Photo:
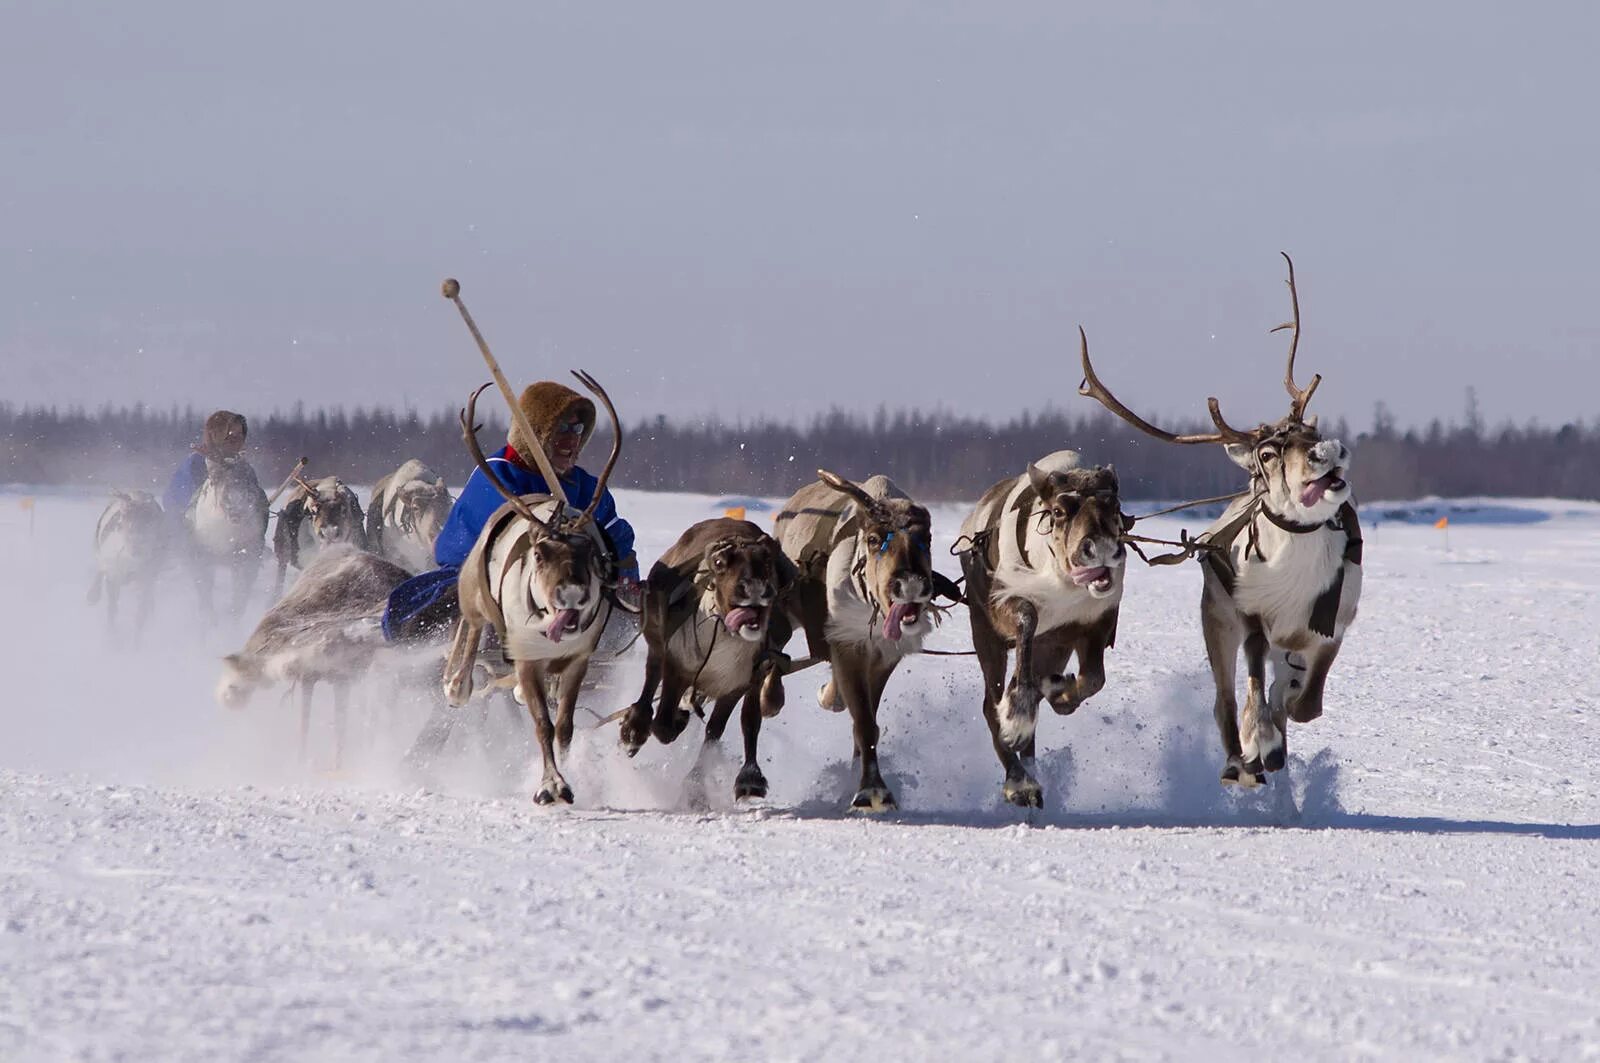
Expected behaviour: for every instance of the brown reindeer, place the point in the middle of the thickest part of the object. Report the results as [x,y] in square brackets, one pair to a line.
[709,603]
[1282,568]
[864,598]
[130,547]
[1044,562]
[542,575]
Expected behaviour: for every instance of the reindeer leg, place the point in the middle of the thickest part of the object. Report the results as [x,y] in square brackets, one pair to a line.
[695,790]
[1020,787]
[850,675]
[636,722]
[341,707]
[1018,710]
[1223,637]
[113,592]
[670,718]
[460,660]
[1304,700]
[307,686]
[552,787]
[1066,692]
[1257,738]
[750,783]
[572,677]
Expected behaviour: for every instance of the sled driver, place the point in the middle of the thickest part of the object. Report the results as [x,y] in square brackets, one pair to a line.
[222,439]
[562,421]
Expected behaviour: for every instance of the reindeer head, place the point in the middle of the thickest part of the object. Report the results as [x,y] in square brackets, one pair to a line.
[747,576]
[241,677]
[421,509]
[1294,472]
[568,573]
[327,504]
[895,539]
[235,487]
[1083,511]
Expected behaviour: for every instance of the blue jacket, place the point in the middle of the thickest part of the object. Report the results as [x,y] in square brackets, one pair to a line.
[479,500]
[185,482]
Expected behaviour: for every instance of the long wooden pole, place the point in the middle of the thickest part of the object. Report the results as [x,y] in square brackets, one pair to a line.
[452,291]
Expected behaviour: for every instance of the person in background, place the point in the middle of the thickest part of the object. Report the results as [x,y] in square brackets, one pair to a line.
[221,439]
[562,421]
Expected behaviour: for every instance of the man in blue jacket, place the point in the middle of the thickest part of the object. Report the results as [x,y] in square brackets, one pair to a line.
[562,421]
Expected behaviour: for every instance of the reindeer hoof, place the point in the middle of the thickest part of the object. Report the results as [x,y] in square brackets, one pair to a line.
[550,793]
[750,784]
[1245,776]
[1024,793]
[668,726]
[1275,759]
[828,697]
[873,801]
[634,731]
[1301,712]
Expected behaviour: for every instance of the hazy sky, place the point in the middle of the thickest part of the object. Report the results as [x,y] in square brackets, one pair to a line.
[749,208]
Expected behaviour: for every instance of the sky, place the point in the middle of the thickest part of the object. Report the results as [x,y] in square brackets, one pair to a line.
[747,210]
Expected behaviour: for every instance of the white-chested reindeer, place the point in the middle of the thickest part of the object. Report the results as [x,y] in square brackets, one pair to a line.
[1044,561]
[543,576]
[227,521]
[864,598]
[407,510]
[319,514]
[130,547]
[1282,569]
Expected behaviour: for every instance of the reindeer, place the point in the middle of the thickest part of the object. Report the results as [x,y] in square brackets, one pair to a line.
[708,604]
[1282,568]
[319,514]
[130,547]
[1044,561]
[543,576]
[326,629]
[405,513]
[864,598]
[227,522]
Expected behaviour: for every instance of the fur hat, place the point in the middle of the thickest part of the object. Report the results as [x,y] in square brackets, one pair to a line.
[548,405]
[223,434]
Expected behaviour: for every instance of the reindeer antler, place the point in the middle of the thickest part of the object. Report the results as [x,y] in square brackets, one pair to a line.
[616,439]
[1298,398]
[850,488]
[1092,388]
[470,433]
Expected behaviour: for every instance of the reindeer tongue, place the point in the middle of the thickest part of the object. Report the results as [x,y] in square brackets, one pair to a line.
[1084,576]
[1317,488]
[564,620]
[897,616]
[743,616]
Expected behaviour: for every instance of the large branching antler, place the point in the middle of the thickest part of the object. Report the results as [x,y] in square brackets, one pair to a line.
[593,385]
[1299,398]
[1094,389]
[469,433]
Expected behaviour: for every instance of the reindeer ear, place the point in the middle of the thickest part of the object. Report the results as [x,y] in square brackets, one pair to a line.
[1311,422]
[1038,478]
[1242,455]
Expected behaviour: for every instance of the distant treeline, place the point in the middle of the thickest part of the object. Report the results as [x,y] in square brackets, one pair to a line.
[934,456]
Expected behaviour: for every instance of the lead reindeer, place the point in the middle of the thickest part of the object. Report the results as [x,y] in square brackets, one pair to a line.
[1282,568]
[319,514]
[405,514]
[542,575]
[227,521]
[130,547]
[864,598]
[1044,562]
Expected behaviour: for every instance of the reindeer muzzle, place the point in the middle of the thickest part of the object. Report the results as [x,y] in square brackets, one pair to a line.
[562,624]
[901,615]
[744,618]
[1312,492]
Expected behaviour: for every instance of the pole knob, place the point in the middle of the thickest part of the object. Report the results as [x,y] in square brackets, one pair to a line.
[451,288]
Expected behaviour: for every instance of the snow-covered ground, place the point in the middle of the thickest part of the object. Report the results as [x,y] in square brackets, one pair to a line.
[174,886]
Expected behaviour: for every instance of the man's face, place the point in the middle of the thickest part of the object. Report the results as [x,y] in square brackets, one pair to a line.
[565,443]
